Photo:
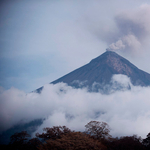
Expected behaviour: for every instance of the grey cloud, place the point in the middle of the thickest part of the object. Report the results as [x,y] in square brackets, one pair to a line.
[133,30]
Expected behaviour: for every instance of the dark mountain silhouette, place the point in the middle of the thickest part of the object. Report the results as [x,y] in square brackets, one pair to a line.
[100,71]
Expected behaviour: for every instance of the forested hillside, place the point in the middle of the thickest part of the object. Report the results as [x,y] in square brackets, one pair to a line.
[95,137]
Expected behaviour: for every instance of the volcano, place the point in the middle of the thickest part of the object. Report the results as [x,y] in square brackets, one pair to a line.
[96,76]
[100,71]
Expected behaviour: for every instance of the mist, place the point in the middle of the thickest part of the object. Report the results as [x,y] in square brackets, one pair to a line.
[61,104]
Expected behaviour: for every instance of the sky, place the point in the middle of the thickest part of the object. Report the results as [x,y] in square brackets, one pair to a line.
[42,40]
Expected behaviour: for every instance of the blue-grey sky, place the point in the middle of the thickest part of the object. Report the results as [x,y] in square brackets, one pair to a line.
[42,40]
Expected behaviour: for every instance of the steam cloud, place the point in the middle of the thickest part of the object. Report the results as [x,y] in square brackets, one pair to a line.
[63,105]
[133,30]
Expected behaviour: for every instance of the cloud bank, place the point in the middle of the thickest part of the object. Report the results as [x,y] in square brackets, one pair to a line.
[127,112]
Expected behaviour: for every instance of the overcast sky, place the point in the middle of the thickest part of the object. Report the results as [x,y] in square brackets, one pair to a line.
[42,40]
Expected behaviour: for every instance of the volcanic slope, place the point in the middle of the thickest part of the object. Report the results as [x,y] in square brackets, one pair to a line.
[100,70]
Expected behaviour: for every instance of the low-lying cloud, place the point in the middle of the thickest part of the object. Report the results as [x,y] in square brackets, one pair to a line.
[127,112]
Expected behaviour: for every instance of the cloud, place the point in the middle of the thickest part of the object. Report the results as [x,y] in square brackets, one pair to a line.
[53,34]
[60,104]
[133,30]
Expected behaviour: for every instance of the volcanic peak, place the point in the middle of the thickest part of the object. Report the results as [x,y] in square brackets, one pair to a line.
[114,61]
[101,70]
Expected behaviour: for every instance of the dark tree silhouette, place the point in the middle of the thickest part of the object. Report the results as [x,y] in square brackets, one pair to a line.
[146,141]
[19,140]
[126,143]
[33,144]
[20,137]
[53,133]
[98,130]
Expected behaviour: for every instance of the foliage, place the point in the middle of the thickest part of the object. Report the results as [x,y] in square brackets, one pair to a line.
[33,144]
[146,141]
[19,140]
[73,141]
[53,133]
[126,143]
[20,137]
[96,137]
[98,130]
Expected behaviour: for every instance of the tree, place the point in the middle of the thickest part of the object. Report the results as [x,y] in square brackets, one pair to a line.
[73,141]
[98,130]
[19,140]
[146,141]
[53,133]
[126,143]
[33,144]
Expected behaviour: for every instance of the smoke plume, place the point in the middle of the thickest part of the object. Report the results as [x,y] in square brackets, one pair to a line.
[133,30]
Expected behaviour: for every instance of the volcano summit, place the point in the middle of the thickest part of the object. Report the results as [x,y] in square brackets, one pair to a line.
[99,72]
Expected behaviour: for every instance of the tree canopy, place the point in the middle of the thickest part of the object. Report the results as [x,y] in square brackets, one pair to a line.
[95,137]
[99,130]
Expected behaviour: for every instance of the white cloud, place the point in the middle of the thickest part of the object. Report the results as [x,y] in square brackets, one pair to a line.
[64,105]
[65,35]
